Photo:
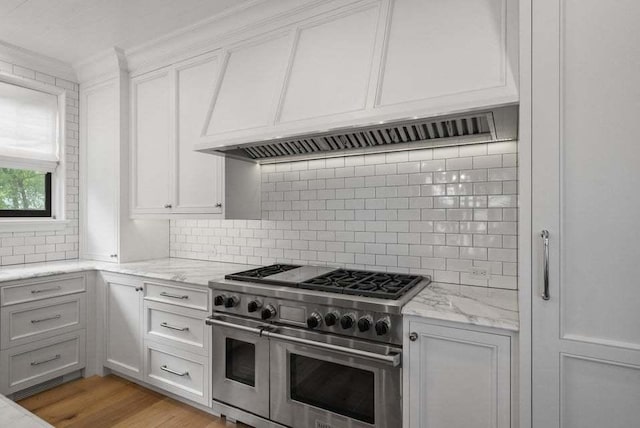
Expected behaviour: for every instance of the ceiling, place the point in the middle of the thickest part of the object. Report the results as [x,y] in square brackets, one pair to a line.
[72,30]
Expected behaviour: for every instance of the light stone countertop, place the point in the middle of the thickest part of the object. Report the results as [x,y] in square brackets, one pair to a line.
[14,416]
[488,307]
[482,306]
[193,272]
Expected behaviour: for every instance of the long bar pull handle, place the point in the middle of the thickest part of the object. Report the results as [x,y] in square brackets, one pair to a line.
[48,360]
[55,317]
[174,296]
[168,370]
[171,327]
[45,290]
[545,243]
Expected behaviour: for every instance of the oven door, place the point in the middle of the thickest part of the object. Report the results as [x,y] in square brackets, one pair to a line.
[333,382]
[240,368]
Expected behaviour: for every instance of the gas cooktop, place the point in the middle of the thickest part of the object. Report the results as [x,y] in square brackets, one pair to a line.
[381,285]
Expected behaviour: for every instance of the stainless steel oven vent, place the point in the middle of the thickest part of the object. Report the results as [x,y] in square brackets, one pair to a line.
[475,127]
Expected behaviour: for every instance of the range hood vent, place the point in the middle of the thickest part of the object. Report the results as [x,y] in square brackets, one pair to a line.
[474,127]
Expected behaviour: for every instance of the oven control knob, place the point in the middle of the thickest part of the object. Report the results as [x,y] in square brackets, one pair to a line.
[232,301]
[254,305]
[314,320]
[347,321]
[382,327]
[268,312]
[364,323]
[331,318]
[219,300]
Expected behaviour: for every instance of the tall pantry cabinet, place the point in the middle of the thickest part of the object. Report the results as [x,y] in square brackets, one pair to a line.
[585,205]
[107,232]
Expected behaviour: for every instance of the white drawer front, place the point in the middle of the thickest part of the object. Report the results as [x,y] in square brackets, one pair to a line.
[28,365]
[42,288]
[41,319]
[179,296]
[185,331]
[180,372]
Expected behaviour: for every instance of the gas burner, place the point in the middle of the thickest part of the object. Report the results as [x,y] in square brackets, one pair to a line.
[261,272]
[361,283]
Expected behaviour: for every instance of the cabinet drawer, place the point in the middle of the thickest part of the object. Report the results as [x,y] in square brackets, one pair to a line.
[177,327]
[179,296]
[179,372]
[32,321]
[43,288]
[31,364]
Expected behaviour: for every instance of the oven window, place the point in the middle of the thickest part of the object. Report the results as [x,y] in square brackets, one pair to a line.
[339,389]
[241,361]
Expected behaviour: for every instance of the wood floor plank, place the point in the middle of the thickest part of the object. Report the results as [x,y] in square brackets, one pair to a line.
[113,402]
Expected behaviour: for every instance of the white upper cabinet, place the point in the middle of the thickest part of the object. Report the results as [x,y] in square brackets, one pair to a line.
[151,141]
[169,178]
[250,85]
[195,82]
[331,65]
[444,48]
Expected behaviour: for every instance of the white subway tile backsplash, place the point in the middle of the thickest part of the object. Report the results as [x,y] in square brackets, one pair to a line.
[438,212]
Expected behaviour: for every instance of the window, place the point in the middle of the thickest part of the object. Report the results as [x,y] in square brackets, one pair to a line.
[29,147]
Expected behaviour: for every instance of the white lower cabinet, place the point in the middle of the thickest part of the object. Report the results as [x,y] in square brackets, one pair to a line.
[42,330]
[455,377]
[155,333]
[177,371]
[123,325]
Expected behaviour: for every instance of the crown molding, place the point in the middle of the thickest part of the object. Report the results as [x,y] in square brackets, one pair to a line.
[100,67]
[35,61]
[254,16]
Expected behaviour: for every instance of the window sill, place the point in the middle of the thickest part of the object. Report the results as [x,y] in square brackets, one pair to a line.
[31,225]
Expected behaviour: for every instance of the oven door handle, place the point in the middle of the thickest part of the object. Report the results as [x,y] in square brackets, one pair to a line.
[392,359]
[221,323]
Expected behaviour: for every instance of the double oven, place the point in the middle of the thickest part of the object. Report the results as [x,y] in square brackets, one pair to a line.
[301,378]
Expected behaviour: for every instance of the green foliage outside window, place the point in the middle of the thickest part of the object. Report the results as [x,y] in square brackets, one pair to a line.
[22,189]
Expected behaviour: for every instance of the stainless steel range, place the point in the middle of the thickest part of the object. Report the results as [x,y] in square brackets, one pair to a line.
[310,346]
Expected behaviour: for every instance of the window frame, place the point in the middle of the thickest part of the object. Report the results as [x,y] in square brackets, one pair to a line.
[55,196]
[46,212]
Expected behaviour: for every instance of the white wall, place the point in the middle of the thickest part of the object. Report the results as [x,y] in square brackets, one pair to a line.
[439,212]
[38,246]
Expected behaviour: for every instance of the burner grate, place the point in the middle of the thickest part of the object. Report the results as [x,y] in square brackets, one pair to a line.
[380,285]
[260,273]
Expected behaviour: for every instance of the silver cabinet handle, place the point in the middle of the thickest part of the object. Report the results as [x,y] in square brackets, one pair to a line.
[45,290]
[168,205]
[413,336]
[168,370]
[174,296]
[219,205]
[545,243]
[139,289]
[55,317]
[171,327]
[113,256]
[37,363]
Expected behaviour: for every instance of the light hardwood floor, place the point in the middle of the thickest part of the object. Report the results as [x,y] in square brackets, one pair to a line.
[100,402]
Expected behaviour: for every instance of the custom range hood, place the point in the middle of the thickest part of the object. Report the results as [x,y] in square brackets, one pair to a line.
[475,127]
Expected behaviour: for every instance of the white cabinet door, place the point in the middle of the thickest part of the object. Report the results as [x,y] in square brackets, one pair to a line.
[100,174]
[199,179]
[448,48]
[456,378]
[123,336]
[585,180]
[152,130]
[331,66]
[250,86]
